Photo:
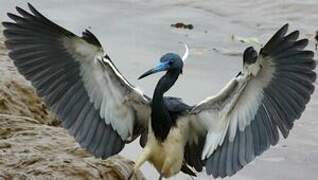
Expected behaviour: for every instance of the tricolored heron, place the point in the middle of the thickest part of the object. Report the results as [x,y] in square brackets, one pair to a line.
[103,111]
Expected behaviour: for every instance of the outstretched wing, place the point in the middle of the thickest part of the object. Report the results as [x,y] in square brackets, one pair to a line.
[243,119]
[97,105]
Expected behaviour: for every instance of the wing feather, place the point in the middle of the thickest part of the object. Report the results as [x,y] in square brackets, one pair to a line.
[97,105]
[242,121]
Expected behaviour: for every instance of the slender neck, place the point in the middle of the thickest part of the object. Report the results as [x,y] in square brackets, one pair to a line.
[161,121]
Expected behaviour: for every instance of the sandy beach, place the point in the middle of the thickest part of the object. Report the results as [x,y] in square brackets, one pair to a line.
[135,33]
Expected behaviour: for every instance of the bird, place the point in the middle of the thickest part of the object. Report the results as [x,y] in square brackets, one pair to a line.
[103,111]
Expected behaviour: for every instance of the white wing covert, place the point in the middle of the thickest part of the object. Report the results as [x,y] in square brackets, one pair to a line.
[243,119]
[97,105]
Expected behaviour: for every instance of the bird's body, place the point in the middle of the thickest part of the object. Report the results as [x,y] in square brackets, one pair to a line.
[167,129]
[166,156]
[103,111]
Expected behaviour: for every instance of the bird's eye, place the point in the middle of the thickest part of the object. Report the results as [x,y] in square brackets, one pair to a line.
[170,62]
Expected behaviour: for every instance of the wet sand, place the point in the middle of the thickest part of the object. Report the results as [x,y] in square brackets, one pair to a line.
[135,33]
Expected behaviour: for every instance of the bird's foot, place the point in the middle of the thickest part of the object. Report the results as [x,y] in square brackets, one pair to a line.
[161,176]
[131,175]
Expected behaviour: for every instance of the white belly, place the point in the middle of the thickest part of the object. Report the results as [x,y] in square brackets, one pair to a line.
[167,156]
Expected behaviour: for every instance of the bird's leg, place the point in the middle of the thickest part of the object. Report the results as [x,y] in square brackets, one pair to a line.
[161,176]
[143,157]
[131,175]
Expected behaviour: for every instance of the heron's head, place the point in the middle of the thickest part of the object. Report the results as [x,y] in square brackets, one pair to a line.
[168,62]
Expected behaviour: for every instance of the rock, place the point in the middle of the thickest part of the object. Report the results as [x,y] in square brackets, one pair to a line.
[4,145]
[18,99]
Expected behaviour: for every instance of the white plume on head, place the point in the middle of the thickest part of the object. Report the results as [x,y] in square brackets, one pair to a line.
[186,53]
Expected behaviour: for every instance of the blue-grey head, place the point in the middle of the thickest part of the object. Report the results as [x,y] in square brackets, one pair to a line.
[169,62]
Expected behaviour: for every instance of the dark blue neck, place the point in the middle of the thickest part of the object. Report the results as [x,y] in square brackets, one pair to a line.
[161,121]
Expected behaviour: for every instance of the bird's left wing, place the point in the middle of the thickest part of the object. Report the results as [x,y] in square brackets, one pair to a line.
[243,119]
[97,105]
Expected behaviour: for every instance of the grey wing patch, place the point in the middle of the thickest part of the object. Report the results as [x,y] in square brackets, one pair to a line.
[253,141]
[285,98]
[175,104]
[36,49]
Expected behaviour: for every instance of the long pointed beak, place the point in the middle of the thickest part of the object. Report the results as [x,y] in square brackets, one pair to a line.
[158,68]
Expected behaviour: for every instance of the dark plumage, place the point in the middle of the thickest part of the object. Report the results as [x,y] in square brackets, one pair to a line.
[249,55]
[165,110]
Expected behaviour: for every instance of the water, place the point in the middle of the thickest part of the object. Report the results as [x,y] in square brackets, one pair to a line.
[135,33]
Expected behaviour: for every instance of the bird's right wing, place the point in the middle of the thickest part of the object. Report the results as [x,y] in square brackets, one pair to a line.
[243,119]
[97,105]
